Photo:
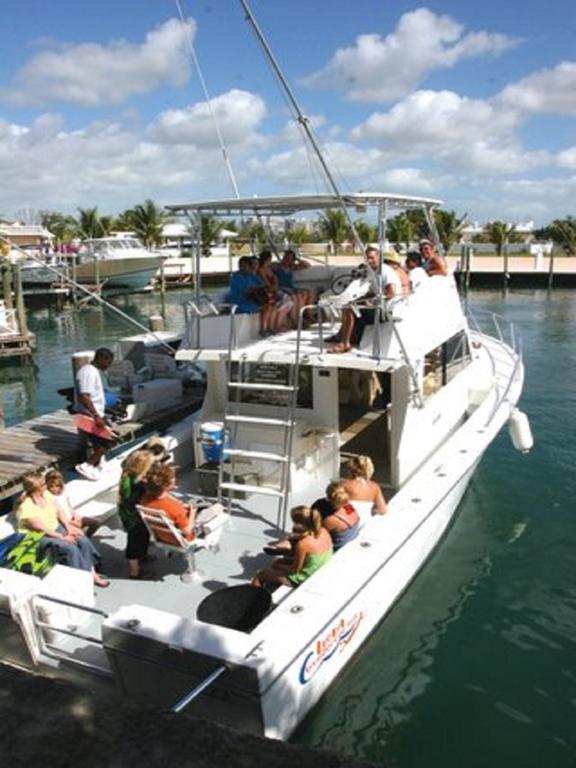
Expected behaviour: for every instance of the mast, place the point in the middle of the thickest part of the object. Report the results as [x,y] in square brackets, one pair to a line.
[302,119]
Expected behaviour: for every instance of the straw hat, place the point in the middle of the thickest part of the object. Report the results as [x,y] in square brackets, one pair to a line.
[392,257]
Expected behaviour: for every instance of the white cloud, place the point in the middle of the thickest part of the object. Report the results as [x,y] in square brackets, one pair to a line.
[436,117]
[238,114]
[90,74]
[567,158]
[293,167]
[550,90]
[453,132]
[104,164]
[382,69]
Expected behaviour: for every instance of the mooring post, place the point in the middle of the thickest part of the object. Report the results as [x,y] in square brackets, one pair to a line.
[19,301]
[506,275]
[551,268]
[7,284]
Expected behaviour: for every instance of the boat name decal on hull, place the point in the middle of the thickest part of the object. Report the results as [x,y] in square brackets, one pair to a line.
[335,639]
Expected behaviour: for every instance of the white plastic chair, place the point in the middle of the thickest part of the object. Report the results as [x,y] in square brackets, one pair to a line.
[167,536]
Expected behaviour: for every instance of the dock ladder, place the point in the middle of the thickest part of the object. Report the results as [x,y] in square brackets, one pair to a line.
[238,382]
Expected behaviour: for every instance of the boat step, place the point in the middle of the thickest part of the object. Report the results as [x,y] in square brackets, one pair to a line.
[255,454]
[264,387]
[260,420]
[262,490]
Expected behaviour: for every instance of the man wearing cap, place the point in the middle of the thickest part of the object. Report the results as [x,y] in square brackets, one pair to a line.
[390,278]
[432,262]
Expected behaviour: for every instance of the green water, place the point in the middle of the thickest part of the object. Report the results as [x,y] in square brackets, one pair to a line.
[476,665]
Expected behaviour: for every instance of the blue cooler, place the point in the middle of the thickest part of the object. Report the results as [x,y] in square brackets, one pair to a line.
[212,440]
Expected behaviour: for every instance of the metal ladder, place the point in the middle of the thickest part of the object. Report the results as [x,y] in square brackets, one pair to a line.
[229,489]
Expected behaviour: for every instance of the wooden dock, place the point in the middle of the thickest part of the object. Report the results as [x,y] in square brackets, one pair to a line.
[52,441]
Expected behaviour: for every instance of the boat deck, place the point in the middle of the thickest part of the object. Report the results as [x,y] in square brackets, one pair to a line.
[233,558]
[52,440]
[281,348]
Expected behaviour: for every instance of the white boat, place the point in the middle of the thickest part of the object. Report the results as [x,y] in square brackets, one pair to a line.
[424,394]
[116,262]
[111,262]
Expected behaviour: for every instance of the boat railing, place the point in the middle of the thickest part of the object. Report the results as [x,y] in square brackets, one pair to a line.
[200,308]
[44,627]
[507,367]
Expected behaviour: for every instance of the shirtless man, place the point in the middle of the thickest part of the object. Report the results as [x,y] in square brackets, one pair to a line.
[432,262]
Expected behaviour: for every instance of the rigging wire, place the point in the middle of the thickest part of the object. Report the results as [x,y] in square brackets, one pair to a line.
[302,119]
[193,56]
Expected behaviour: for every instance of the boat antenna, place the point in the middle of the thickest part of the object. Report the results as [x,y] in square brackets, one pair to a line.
[78,286]
[223,148]
[303,120]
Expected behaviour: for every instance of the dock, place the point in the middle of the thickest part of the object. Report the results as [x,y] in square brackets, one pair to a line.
[51,441]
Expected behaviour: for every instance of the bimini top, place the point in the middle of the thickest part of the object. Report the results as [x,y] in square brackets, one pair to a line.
[287,205]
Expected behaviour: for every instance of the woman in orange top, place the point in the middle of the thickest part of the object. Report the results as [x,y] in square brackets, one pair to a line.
[160,481]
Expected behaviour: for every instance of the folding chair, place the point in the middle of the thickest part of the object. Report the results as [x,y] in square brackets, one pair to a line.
[167,536]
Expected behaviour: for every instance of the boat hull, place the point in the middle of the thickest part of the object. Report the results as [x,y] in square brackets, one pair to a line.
[119,273]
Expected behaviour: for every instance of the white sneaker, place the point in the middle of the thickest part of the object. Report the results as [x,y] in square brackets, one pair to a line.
[89,471]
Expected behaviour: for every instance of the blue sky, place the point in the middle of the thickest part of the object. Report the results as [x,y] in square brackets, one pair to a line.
[475,104]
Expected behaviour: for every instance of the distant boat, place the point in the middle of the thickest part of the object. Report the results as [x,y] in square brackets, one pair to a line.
[113,262]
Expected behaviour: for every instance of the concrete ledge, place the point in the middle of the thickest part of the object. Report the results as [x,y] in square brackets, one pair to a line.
[61,725]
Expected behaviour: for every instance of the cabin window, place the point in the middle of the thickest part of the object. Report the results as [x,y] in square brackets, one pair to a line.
[272,373]
[443,363]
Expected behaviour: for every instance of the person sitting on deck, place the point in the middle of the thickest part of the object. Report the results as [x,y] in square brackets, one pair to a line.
[90,400]
[343,522]
[130,491]
[284,270]
[36,511]
[416,271]
[432,262]
[57,487]
[311,549]
[243,289]
[390,279]
[280,304]
[161,479]
[363,492]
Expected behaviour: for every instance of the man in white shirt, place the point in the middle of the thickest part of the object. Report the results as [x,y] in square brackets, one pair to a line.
[390,279]
[90,400]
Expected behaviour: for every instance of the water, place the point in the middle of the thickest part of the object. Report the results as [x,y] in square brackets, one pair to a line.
[476,664]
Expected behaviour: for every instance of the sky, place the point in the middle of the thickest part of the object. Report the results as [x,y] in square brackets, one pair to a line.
[101,104]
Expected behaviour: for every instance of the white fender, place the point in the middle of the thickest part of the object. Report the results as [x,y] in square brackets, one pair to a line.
[520,432]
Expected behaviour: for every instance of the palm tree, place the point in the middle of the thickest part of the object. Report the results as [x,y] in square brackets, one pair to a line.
[562,232]
[449,227]
[254,233]
[334,226]
[500,234]
[366,232]
[61,226]
[401,229]
[147,222]
[298,235]
[210,228]
[89,224]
